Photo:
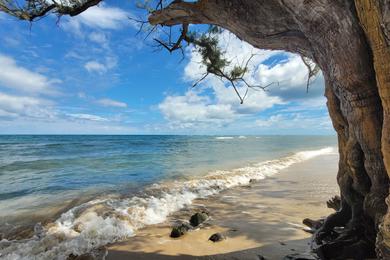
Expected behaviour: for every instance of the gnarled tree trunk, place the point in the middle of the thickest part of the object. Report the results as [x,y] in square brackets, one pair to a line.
[349,41]
[375,20]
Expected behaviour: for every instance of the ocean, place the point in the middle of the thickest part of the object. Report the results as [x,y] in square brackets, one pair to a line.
[83,192]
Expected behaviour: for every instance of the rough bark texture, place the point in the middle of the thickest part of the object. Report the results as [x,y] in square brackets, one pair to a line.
[350,42]
[375,20]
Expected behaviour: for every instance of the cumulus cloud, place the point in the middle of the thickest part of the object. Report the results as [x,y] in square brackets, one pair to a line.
[111,103]
[222,107]
[216,101]
[13,76]
[285,72]
[98,17]
[291,75]
[193,108]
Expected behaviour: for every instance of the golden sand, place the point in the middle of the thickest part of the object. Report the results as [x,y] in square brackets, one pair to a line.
[264,219]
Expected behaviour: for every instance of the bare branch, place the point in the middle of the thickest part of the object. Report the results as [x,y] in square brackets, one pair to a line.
[200,80]
[313,69]
[36,9]
[172,46]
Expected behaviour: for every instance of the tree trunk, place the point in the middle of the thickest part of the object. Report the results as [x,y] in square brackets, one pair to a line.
[375,20]
[349,41]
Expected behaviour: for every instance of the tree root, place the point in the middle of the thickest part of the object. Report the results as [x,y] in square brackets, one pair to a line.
[342,236]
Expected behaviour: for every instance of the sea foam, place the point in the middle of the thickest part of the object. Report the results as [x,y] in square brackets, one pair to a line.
[224,137]
[103,221]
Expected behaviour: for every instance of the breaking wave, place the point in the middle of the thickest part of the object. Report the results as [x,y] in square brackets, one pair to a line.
[224,137]
[103,221]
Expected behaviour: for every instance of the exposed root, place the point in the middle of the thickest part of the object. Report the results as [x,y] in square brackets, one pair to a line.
[334,203]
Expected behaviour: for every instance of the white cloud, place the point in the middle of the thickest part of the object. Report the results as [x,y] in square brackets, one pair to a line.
[87,117]
[292,77]
[197,108]
[98,37]
[18,106]
[255,101]
[193,108]
[111,103]
[216,101]
[295,121]
[289,75]
[236,51]
[98,17]
[15,77]
[94,66]
[104,17]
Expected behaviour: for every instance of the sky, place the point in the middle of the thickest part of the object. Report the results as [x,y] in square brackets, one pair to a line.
[93,74]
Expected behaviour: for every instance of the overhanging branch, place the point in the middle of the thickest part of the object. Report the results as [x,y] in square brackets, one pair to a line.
[35,9]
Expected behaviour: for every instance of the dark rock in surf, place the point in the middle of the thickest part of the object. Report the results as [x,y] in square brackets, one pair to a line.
[81,257]
[299,257]
[180,230]
[98,253]
[217,237]
[198,218]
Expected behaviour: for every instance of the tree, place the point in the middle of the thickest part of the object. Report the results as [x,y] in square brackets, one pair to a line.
[349,40]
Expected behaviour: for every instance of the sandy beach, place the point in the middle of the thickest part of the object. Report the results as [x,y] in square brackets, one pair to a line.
[262,219]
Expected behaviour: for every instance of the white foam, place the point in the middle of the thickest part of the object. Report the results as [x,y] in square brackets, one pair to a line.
[242,137]
[224,137]
[99,222]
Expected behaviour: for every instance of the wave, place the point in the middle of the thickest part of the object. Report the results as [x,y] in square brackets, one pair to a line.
[103,221]
[224,137]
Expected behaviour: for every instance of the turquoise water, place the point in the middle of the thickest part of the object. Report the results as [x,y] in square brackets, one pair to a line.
[123,174]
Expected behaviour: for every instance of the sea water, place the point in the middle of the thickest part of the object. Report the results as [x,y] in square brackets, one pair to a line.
[110,186]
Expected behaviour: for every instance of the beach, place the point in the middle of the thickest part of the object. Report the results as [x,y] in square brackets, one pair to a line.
[263,218]
[125,193]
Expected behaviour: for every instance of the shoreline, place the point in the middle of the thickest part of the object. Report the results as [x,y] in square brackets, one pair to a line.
[96,225]
[263,218]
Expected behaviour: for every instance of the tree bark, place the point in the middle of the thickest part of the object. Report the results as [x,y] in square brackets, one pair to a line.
[355,62]
[375,19]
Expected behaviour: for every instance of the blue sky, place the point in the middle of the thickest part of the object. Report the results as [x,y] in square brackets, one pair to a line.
[93,75]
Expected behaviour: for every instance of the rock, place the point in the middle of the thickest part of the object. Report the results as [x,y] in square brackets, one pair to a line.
[217,237]
[81,257]
[299,257]
[260,257]
[39,230]
[180,230]
[95,254]
[198,218]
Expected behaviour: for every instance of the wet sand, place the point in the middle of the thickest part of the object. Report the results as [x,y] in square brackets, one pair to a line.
[264,218]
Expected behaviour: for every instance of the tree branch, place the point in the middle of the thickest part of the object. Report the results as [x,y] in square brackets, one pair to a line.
[34,9]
